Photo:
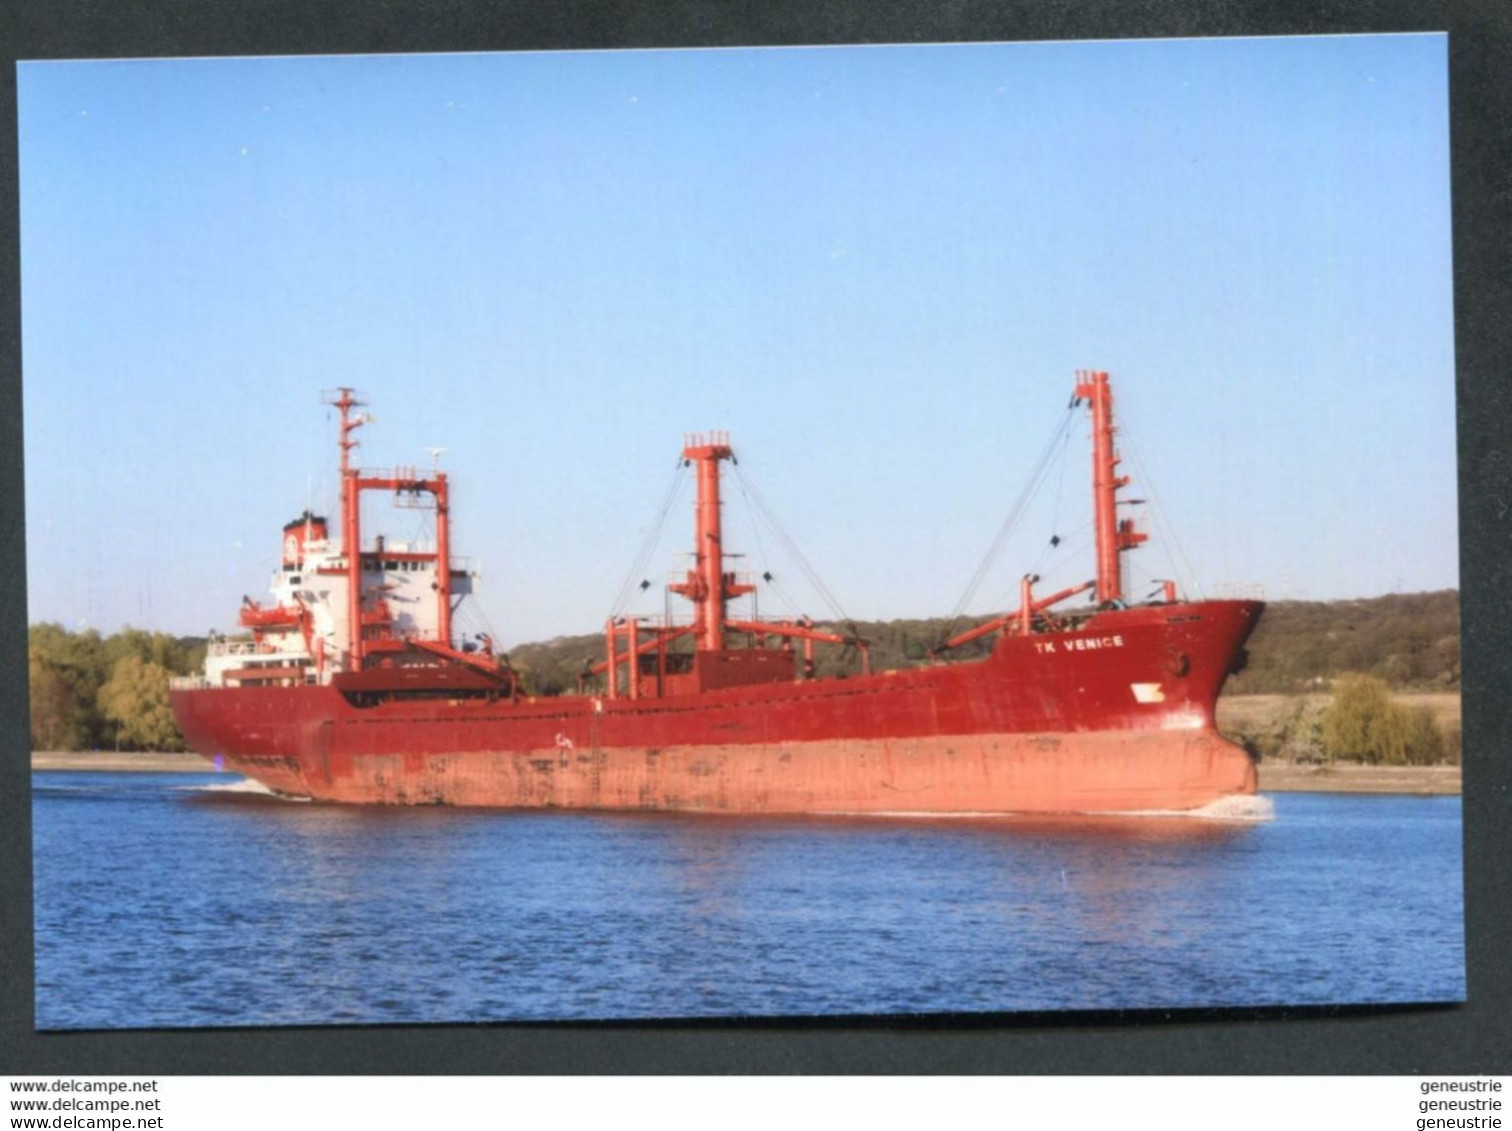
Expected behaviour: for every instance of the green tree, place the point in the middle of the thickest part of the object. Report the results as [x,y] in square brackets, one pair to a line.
[135,701]
[1452,742]
[1425,741]
[1446,651]
[59,718]
[153,647]
[1352,723]
[65,671]
[195,650]
[81,652]
[1363,723]
[1292,732]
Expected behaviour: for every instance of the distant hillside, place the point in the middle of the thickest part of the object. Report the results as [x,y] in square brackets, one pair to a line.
[1411,640]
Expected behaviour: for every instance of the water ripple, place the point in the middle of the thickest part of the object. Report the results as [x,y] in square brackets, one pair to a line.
[169,900]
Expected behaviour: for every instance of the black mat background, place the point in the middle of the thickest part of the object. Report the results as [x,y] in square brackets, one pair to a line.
[1473,1038]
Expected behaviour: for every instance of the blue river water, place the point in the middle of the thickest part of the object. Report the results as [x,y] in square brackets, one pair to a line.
[171,900]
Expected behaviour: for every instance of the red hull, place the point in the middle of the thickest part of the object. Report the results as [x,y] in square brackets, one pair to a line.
[1115,716]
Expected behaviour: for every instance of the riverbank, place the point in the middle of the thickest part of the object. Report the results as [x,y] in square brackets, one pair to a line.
[1239,713]
[1282,777]
[1277,777]
[1243,712]
[117,762]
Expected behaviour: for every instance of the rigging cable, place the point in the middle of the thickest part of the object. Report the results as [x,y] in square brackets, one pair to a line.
[765,513]
[649,546]
[766,573]
[1057,438]
[1060,482]
[1067,552]
[1166,530]
[1073,548]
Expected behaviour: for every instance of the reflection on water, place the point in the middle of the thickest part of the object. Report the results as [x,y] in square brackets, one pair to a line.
[161,905]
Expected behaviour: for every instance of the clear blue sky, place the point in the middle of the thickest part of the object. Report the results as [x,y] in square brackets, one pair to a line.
[877,267]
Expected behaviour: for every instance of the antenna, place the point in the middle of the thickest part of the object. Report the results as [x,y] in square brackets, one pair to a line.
[435,454]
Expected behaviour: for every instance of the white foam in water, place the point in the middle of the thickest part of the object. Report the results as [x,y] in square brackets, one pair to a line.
[1249,807]
[243,785]
[1236,807]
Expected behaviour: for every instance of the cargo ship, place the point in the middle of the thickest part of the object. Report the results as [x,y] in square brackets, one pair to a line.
[349,685]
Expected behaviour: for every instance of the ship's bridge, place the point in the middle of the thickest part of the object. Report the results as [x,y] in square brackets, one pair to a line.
[236,663]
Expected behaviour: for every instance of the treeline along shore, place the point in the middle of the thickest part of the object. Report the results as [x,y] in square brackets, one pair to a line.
[1348,695]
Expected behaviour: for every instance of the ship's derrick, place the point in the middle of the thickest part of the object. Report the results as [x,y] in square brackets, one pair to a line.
[639,662]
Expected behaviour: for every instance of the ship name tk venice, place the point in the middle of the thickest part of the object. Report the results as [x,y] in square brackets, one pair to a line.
[350,687]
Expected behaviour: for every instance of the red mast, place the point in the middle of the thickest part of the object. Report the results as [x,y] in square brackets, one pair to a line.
[351,532]
[710,589]
[1113,535]
[403,481]
[708,586]
[443,558]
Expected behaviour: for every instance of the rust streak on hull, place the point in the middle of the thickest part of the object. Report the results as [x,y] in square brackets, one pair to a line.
[1107,772]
